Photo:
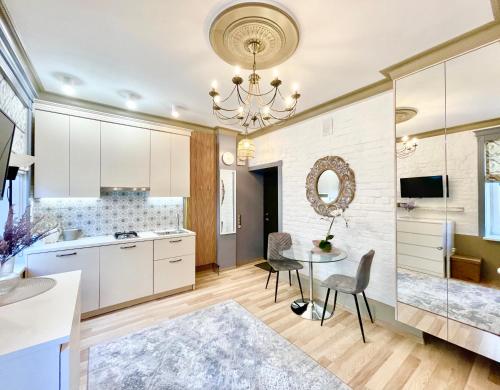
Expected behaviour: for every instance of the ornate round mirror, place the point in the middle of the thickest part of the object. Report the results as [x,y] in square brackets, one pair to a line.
[330,185]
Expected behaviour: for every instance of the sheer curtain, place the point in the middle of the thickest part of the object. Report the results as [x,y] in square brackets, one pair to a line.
[492,188]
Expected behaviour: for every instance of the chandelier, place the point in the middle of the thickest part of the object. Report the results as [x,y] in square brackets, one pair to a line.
[408,147]
[251,107]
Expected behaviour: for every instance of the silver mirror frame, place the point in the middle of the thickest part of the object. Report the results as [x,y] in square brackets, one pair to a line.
[347,185]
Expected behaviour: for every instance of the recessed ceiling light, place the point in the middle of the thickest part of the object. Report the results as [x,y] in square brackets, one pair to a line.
[68,89]
[131,104]
[131,98]
[68,83]
[174,112]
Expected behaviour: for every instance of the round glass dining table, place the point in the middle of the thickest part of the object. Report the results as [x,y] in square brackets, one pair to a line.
[309,308]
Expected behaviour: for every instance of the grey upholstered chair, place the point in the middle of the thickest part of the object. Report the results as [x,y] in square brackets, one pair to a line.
[351,285]
[278,263]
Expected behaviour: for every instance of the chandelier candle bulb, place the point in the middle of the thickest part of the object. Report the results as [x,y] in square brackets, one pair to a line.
[214,85]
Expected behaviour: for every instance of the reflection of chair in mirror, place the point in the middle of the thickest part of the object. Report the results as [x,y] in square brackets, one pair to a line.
[351,285]
[277,242]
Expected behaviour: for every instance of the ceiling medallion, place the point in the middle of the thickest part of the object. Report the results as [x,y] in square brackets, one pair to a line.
[404,114]
[254,36]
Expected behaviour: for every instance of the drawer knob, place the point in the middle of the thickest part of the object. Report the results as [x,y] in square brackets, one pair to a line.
[66,254]
[172,241]
[128,247]
[175,261]
[439,248]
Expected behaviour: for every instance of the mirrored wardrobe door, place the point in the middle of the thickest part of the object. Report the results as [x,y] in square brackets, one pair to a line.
[421,242]
[473,206]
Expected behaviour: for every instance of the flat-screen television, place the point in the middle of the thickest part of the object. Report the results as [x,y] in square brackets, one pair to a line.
[423,187]
[7,128]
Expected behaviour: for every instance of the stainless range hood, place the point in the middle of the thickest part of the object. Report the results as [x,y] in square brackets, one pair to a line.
[125,189]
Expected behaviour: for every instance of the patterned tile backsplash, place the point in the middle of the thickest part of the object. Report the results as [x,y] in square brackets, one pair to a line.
[112,212]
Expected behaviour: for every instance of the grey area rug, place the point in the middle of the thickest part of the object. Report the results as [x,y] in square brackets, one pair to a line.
[220,347]
[467,302]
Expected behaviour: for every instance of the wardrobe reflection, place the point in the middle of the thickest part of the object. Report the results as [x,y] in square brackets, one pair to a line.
[473,166]
[423,239]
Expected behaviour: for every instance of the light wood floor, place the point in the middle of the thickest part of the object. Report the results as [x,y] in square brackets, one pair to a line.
[387,361]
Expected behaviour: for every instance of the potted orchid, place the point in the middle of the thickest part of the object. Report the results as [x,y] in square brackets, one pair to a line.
[17,236]
[325,245]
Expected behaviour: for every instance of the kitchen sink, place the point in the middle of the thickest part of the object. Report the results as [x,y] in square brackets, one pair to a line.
[170,232]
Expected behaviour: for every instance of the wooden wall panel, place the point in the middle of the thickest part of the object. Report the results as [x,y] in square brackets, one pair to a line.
[202,204]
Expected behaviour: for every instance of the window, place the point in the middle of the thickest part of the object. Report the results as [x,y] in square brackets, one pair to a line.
[489,182]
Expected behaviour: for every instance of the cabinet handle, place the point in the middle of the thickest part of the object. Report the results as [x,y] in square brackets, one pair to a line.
[66,254]
[175,261]
[128,247]
[172,241]
[439,248]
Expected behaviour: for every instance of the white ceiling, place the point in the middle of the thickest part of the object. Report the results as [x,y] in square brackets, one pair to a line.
[470,94]
[160,49]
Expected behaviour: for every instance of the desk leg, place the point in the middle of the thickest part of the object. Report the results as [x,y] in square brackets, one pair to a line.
[308,308]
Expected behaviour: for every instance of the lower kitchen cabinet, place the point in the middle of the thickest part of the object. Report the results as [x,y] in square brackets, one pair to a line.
[126,272]
[86,260]
[172,273]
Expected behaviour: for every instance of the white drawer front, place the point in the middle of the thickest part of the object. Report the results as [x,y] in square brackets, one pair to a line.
[419,264]
[173,247]
[86,260]
[174,273]
[436,229]
[430,253]
[420,239]
[126,272]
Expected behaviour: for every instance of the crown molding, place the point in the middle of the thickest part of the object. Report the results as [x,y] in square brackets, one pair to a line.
[88,105]
[479,125]
[370,90]
[459,45]
[495,5]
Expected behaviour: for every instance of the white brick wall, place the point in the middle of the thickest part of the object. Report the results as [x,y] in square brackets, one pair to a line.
[461,156]
[363,135]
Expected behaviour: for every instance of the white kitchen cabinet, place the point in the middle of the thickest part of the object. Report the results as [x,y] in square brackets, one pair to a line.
[125,156]
[180,165]
[86,260]
[173,273]
[84,157]
[174,246]
[126,272]
[160,164]
[52,154]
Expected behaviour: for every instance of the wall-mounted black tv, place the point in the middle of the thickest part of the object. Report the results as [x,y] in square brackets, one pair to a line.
[7,128]
[423,187]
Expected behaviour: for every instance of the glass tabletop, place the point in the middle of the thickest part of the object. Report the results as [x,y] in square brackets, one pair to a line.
[311,254]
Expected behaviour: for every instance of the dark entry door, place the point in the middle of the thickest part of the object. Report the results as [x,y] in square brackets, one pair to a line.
[270,216]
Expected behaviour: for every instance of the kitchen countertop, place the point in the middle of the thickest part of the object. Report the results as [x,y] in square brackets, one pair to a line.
[41,320]
[86,242]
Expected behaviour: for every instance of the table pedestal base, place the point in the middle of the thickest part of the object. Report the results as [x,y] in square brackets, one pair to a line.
[310,310]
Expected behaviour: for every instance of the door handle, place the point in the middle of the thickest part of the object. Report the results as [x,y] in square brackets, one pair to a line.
[239,221]
[67,254]
[439,248]
[175,261]
[173,241]
[128,247]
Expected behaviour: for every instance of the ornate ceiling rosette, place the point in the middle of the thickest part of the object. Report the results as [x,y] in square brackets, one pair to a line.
[347,185]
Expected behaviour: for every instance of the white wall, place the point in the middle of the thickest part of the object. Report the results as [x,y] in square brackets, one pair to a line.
[461,163]
[363,134]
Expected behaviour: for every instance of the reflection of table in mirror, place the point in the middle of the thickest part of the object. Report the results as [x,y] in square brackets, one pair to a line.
[309,308]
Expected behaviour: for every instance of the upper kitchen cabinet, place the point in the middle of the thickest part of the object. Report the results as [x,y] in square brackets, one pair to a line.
[160,163]
[125,156]
[67,149]
[179,162]
[84,157]
[52,153]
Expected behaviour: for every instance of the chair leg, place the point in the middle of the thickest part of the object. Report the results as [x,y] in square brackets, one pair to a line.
[300,285]
[324,307]
[359,317]
[334,302]
[268,277]
[290,277]
[276,290]
[367,307]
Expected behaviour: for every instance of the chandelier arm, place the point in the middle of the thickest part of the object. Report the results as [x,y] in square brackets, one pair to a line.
[231,94]
[222,119]
[257,95]
[240,99]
